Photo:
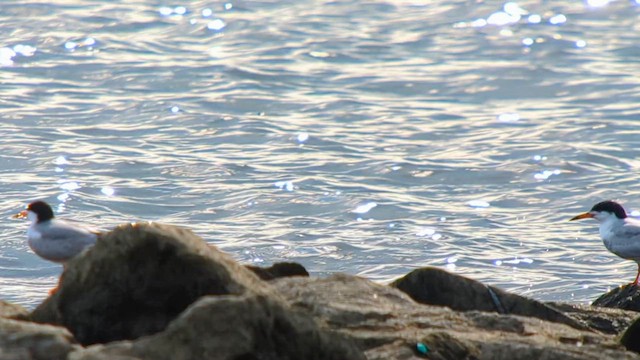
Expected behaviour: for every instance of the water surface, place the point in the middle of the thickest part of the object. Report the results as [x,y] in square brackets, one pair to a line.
[363,137]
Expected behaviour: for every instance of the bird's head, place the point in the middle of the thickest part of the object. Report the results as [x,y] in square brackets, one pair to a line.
[603,211]
[36,212]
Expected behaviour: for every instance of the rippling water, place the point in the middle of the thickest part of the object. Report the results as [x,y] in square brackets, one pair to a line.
[365,137]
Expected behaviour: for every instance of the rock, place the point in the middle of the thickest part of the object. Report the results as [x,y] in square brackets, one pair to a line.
[278,270]
[435,286]
[605,320]
[625,297]
[388,324]
[21,340]
[150,291]
[9,310]
[630,339]
[233,327]
[138,278]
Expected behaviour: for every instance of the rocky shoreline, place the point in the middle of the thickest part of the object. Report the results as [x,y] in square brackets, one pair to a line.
[153,291]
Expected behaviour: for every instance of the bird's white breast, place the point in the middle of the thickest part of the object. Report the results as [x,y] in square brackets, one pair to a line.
[606,228]
[33,234]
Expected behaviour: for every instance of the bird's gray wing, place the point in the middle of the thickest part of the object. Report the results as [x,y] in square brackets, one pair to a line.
[61,231]
[61,241]
[627,241]
[628,231]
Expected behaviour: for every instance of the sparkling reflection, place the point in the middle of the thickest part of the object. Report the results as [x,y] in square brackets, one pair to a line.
[557,19]
[61,160]
[302,137]
[6,56]
[479,203]
[108,191]
[285,185]
[24,50]
[597,3]
[502,18]
[216,24]
[364,208]
[534,19]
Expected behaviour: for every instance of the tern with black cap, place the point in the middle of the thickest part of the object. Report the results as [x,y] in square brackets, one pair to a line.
[620,233]
[54,239]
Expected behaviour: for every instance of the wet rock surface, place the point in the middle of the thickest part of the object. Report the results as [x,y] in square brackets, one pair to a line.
[152,291]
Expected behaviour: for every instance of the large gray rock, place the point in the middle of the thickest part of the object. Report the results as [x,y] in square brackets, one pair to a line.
[231,328]
[138,278]
[388,324]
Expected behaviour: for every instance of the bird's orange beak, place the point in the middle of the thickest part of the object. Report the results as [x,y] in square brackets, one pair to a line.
[582,216]
[21,215]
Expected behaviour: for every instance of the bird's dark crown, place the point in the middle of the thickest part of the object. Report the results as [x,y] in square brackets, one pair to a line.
[610,206]
[42,209]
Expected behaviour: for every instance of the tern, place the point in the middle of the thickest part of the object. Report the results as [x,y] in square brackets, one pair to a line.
[620,233]
[54,239]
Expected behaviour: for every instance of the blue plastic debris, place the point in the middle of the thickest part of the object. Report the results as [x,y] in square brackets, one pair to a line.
[422,348]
